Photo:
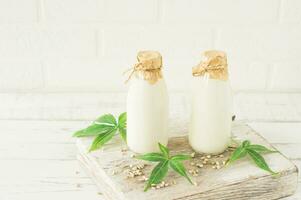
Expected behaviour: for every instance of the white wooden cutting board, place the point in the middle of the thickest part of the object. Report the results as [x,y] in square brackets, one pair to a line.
[241,180]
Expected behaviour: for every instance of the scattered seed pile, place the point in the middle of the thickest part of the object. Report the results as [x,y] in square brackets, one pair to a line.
[135,170]
[203,161]
[194,166]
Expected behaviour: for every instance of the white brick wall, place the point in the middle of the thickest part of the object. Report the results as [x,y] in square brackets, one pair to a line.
[131,11]
[85,45]
[20,75]
[72,10]
[12,11]
[218,11]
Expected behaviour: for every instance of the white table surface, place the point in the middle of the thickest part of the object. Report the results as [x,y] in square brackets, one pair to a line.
[38,157]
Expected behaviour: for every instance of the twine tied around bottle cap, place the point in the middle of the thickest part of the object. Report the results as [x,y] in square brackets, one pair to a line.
[214,63]
[149,66]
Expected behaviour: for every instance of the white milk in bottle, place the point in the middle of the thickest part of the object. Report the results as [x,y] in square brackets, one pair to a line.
[147,104]
[211,107]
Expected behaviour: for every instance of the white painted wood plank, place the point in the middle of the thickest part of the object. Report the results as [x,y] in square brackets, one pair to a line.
[38,152]
[30,176]
[38,140]
[276,132]
[291,150]
[39,132]
[54,106]
[52,140]
[87,106]
[267,106]
[59,195]
[32,169]
[34,178]
[296,101]
[47,185]
[38,160]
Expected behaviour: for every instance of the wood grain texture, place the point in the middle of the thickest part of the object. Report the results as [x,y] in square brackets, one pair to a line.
[242,180]
[87,106]
[46,175]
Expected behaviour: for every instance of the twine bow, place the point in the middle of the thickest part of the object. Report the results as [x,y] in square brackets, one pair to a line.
[216,67]
[149,72]
[133,70]
[203,68]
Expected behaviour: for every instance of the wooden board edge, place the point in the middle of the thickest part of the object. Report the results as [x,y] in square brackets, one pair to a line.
[295,168]
[102,187]
[288,186]
[291,174]
[105,180]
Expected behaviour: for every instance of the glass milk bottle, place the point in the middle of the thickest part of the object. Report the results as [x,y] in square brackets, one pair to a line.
[211,111]
[147,104]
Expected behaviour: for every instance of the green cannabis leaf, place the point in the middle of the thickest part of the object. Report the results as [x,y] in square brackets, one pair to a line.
[122,125]
[253,150]
[165,161]
[104,128]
